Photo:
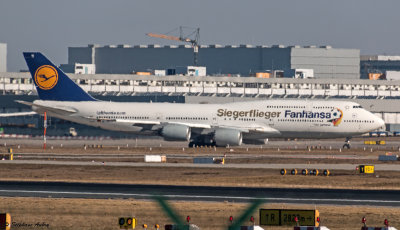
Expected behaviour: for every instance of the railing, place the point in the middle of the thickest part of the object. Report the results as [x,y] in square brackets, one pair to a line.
[19,82]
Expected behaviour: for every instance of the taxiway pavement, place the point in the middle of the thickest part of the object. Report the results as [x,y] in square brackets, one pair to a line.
[200,193]
[378,167]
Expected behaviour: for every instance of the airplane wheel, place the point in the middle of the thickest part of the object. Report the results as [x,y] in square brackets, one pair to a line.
[191,144]
[346,146]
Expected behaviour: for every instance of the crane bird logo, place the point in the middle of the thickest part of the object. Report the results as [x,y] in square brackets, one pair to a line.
[46,77]
[337,116]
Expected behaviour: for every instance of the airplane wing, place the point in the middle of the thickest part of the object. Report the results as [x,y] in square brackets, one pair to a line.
[17,114]
[191,125]
[141,122]
[138,122]
[254,128]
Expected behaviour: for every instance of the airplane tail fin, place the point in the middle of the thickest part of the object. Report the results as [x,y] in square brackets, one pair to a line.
[51,82]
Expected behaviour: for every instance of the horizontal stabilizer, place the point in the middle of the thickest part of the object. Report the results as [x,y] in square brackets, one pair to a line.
[56,109]
[24,102]
[17,114]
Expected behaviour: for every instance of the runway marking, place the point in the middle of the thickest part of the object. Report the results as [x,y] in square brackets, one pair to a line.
[206,197]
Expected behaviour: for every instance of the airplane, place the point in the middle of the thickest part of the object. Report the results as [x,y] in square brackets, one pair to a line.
[229,124]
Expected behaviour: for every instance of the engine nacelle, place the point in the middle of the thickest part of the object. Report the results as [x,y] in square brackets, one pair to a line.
[176,132]
[224,137]
[255,141]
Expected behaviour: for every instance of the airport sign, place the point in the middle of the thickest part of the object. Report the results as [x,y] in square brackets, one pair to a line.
[367,169]
[281,217]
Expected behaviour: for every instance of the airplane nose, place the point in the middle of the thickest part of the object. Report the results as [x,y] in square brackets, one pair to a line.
[380,123]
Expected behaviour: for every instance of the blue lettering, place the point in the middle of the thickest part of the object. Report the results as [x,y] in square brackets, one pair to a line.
[308,114]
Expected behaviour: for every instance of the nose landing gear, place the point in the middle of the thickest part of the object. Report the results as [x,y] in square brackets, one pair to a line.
[347,143]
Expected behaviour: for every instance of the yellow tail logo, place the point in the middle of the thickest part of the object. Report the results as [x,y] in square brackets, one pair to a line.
[46,77]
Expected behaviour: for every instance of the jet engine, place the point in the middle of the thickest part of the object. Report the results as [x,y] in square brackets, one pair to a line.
[224,137]
[255,141]
[176,132]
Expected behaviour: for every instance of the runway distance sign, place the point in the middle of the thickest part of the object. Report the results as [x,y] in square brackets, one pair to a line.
[270,217]
[5,221]
[368,169]
[280,217]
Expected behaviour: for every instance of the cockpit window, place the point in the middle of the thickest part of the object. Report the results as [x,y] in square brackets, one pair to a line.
[357,107]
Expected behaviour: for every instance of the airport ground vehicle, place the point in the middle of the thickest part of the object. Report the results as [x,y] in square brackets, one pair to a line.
[71,132]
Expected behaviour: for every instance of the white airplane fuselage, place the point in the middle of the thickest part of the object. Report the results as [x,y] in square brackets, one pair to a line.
[280,118]
[228,124]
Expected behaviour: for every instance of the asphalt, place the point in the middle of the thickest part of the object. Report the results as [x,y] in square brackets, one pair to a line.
[350,167]
[392,142]
[200,193]
[113,155]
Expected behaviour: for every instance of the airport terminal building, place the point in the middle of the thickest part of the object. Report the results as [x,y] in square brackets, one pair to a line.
[241,60]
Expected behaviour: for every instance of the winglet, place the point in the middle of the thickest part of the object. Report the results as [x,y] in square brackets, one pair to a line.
[51,82]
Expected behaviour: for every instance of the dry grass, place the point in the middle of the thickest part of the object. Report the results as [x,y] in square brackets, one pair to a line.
[103,214]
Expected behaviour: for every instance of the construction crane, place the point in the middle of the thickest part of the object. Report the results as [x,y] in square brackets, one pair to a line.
[194,41]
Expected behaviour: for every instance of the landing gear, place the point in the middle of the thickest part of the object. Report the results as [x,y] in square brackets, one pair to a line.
[202,141]
[347,143]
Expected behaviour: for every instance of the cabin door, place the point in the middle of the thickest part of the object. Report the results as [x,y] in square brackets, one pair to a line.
[159,116]
[310,122]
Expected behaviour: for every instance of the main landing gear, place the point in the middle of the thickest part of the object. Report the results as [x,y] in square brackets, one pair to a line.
[347,143]
[202,141]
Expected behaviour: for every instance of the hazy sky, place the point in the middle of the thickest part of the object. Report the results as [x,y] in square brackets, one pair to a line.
[51,26]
